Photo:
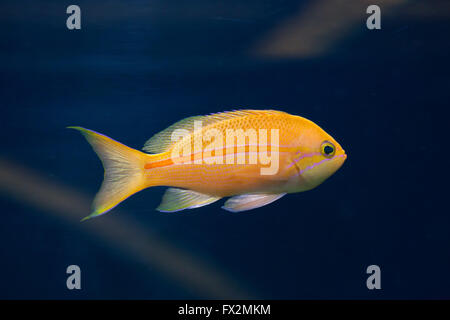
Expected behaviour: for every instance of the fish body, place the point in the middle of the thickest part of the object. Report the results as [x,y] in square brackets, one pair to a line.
[253,156]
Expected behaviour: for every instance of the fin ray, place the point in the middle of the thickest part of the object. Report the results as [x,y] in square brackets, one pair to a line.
[162,141]
[179,199]
[246,202]
[123,171]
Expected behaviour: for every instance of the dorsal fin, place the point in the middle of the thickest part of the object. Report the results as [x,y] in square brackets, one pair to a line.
[161,141]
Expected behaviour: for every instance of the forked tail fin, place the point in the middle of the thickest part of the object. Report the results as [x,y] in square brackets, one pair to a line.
[123,167]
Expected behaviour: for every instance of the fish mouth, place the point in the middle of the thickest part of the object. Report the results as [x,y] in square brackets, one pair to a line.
[342,156]
[338,160]
[312,176]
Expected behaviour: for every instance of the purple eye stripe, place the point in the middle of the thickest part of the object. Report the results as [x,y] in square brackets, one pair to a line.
[320,162]
[305,155]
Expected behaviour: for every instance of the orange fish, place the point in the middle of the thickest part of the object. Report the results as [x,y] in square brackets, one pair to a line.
[253,156]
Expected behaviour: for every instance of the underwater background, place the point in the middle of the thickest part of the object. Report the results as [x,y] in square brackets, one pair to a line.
[137,66]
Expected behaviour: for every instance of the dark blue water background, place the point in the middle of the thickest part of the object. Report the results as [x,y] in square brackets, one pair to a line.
[136,67]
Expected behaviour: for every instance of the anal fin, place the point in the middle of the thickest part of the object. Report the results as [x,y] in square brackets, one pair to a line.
[246,202]
[179,199]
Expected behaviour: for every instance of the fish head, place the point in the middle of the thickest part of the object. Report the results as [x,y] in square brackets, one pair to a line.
[319,157]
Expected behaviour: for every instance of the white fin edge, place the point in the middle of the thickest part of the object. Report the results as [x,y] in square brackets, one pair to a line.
[246,202]
[179,199]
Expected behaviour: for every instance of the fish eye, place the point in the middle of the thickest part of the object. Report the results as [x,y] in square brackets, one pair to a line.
[328,149]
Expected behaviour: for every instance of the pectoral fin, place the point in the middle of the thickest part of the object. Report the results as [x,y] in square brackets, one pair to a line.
[246,202]
[179,199]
